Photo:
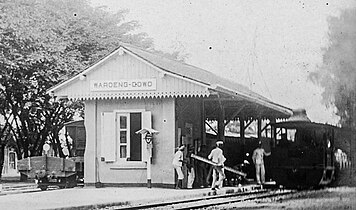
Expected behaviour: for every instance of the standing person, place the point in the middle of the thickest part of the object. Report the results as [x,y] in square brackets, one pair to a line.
[216,155]
[191,168]
[177,164]
[257,159]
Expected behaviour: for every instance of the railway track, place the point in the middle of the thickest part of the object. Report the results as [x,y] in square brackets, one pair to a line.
[208,201]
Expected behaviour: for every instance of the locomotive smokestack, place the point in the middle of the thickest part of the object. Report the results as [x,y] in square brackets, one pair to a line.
[299,115]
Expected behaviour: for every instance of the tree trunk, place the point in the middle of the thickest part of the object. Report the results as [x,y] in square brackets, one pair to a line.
[60,152]
[2,158]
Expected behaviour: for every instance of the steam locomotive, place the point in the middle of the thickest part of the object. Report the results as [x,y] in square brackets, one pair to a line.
[303,154]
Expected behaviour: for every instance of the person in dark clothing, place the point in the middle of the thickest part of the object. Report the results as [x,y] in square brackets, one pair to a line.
[202,168]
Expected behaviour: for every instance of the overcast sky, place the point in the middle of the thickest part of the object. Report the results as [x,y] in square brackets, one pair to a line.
[269,46]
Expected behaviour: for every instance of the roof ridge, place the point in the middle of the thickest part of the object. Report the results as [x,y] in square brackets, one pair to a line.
[153,51]
[190,65]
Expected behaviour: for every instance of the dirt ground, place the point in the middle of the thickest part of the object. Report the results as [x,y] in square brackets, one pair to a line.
[330,198]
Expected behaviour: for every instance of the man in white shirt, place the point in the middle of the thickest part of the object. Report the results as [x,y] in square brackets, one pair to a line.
[257,159]
[177,164]
[216,155]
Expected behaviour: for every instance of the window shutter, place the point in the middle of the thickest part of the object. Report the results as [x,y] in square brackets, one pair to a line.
[146,123]
[108,136]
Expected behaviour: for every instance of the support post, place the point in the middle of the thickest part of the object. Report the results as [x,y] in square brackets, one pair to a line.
[242,131]
[273,132]
[149,163]
[242,136]
[97,183]
[221,124]
[259,130]
[203,123]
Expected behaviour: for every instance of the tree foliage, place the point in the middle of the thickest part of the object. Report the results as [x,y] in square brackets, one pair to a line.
[338,73]
[43,42]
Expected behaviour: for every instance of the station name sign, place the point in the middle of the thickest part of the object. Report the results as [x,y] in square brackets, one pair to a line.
[123,85]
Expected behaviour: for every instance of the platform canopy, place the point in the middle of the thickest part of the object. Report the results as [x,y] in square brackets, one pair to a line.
[170,78]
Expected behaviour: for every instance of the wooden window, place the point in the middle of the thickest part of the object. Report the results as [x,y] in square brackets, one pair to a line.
[108,136]
[119,140]
[145,123]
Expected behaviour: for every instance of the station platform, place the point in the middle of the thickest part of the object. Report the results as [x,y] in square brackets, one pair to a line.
[96,198]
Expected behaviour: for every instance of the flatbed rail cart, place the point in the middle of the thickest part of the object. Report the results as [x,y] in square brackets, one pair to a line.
[49,171]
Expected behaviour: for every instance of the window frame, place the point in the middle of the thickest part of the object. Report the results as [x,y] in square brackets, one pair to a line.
[123,112]
[118,131]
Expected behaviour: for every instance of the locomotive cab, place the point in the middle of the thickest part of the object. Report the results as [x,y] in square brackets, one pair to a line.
[302,154]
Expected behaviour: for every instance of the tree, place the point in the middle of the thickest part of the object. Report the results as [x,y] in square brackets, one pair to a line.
[42,43]
[338,73]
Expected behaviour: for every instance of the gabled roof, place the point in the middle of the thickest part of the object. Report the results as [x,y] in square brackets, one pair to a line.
[187,72]
[191,72]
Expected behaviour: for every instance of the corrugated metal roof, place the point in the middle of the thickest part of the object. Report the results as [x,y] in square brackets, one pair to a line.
[191,73]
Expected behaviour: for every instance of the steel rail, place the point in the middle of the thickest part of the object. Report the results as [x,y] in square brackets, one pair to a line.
[201,202]
[233,200]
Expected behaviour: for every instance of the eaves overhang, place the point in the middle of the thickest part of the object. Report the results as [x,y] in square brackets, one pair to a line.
[287,112]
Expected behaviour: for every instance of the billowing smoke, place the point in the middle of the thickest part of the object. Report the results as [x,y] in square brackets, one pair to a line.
[338,72]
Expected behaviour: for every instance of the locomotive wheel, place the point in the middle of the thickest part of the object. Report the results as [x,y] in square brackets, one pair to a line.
[72,181]
[62,183]
[43,187]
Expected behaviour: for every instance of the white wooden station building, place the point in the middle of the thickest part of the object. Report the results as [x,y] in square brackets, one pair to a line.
[131,89]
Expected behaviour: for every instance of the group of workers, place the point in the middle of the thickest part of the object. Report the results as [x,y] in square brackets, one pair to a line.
[218,175]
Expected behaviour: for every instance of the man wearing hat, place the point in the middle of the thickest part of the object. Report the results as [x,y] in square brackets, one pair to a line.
[216,155]
[177,164]
[257,159]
